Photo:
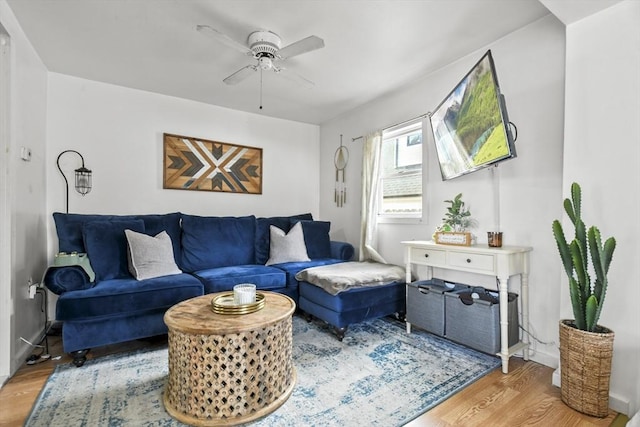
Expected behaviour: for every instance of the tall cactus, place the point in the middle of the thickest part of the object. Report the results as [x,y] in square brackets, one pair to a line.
[586,298]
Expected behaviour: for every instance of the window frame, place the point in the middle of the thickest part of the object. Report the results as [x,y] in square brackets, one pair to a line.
[394,131]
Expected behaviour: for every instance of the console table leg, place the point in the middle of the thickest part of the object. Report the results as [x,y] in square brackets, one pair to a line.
[504,323]
[524,302]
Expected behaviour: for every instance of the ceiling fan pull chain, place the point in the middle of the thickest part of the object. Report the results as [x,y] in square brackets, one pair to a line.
[261,88]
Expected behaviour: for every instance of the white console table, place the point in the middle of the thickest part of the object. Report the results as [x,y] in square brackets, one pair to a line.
[501,262]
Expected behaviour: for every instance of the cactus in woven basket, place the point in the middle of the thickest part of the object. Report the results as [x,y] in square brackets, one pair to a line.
[587,297]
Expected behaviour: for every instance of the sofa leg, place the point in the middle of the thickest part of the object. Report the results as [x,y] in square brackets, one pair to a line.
[307,316]
[79,357]
[340,332]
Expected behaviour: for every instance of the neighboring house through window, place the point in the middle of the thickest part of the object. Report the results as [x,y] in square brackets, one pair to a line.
[401,171]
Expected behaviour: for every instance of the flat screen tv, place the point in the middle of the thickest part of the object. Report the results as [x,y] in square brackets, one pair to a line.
[470,126]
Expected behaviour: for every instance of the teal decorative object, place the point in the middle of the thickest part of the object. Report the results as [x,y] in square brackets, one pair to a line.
[587,297]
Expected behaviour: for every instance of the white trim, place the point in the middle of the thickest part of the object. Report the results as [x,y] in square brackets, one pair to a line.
[390,219]
[6,238]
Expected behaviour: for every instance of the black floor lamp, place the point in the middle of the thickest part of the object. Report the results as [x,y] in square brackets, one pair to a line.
[83,176]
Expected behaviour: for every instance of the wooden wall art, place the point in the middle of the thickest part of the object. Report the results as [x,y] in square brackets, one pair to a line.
[199,164]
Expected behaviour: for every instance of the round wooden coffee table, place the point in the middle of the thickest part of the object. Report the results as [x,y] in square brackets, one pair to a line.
[228,369]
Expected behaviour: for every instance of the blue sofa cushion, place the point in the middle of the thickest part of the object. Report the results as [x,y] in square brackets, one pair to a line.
[224,278]
[69,228]
[106,246]
[342,250]
[316,238]
[263,236]
[112,298]
[209,242]
[68,278]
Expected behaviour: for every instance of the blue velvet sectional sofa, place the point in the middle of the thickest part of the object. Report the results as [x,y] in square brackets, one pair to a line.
[212,253]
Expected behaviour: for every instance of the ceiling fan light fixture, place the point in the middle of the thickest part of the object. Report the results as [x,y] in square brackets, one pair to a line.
[265,63]
[264,43]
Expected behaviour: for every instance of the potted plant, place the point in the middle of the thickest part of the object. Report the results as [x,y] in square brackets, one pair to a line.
[455,224]
[586,348]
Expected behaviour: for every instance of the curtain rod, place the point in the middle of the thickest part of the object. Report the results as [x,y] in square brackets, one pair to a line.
[421,116]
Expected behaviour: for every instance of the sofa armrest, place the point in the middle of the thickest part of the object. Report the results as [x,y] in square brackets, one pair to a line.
[68,278]
[342,250]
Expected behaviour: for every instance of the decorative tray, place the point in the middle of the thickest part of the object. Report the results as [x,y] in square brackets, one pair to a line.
[224,304]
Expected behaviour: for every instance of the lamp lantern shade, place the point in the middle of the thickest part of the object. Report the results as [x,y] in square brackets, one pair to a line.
[83,180]
[83,176]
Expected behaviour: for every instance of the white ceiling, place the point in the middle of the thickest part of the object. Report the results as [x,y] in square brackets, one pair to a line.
[371,47]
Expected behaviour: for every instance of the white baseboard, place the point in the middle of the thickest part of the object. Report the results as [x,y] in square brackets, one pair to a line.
[25,350]
[617,403]
[545,359]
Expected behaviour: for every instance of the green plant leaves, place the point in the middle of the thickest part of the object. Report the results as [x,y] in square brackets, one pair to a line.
[591,313]
[586,298]
[457,216]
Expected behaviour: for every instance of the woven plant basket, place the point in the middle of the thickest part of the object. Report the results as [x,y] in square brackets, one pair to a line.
[585,366]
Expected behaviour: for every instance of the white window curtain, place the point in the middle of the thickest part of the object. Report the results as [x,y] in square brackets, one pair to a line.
[370,180]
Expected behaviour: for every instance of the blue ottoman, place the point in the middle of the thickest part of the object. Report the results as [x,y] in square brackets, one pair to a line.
[354,305]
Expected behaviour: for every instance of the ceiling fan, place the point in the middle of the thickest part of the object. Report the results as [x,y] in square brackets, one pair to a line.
[265,47]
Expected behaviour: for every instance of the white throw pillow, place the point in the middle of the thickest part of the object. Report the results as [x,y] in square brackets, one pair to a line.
[150,256]
[288,247]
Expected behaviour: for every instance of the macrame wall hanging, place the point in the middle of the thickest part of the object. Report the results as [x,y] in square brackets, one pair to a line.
[340,160]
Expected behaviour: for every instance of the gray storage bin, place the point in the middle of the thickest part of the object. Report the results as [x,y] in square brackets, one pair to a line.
[478,325]
[425,304]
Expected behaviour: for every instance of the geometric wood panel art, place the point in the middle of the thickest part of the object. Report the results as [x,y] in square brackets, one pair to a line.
[199,164]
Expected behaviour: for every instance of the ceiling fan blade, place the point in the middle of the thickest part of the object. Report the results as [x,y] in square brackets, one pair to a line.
[223,38]
[301,46]
[294,77]
[240,75]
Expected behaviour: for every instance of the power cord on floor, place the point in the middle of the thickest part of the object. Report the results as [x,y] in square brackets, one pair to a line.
[44,354]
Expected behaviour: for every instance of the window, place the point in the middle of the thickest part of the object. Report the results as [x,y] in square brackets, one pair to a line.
[401,171]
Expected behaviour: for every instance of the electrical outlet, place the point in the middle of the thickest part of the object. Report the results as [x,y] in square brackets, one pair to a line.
[25,154]
[33,288]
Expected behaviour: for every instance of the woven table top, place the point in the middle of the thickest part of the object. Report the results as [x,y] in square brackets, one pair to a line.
[195,315]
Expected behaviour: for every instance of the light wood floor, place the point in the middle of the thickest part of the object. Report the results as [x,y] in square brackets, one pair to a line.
[524,397]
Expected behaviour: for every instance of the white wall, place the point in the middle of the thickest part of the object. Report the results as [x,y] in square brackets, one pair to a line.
[602,153]
[119,133]
[530,68]
[21,317]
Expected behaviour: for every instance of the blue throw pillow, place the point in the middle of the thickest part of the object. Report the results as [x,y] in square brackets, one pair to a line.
[210,242]
[263,239]
[70,236]
[106,246]
[316,238]
[69,229]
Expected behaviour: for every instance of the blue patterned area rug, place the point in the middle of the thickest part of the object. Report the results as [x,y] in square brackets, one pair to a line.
[378,376]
